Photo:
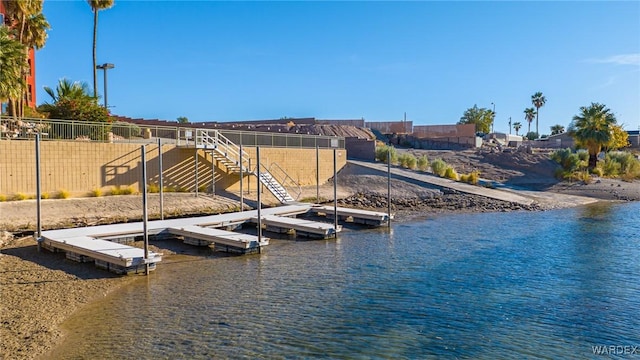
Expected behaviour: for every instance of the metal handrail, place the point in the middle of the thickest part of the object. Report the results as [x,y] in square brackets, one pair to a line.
[285,180]
[121,131]
[221,143]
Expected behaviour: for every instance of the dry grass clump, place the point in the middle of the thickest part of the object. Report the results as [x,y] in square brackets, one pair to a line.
[97,192]
[450,173]
[471,178]
[63,194]
[19,196]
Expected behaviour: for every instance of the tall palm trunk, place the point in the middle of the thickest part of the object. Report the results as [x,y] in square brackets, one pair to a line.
[95,40]
[537,111]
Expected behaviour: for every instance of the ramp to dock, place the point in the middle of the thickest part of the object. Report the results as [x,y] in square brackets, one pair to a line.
[358,216]
[307,228]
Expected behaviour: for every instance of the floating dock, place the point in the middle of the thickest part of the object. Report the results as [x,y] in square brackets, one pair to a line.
[357,216]
[301,227]
[106,244]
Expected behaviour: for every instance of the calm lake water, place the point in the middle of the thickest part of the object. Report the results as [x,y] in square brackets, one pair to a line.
[502,285]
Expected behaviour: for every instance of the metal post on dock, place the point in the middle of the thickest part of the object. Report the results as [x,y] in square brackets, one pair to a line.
[335,194]
[241,177]
[38,194]
[196,173]
[160,179]
[259,199]
[145,220]
[389,186]
[213,175]
[317,174]
[249,179]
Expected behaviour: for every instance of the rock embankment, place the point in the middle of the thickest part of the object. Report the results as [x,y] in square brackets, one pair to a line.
[446,202]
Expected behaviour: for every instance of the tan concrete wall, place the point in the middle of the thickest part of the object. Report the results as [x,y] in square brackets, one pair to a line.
[80,167]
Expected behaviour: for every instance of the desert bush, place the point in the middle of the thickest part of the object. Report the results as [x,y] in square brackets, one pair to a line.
[122,190]
[204,188]
[19,196]
[3,198]
[471,178]
[153,188]
[63,194]
[597,171]
[422,163]
[629,164]
[97,192]
[568,160]
[439,167]
[44,195]
[381,154]
[407,160]
[450,173]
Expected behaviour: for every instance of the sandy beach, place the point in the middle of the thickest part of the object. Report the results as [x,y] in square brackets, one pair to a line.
[39,290]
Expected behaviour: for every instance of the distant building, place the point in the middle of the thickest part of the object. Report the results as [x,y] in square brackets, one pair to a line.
[30,97]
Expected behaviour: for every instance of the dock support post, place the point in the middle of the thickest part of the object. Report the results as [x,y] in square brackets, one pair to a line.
[259,200]
[241,176]
[38,194]
[335,194]
[317,174]
[160,179]
[389,187]
[249,179]
[145,220]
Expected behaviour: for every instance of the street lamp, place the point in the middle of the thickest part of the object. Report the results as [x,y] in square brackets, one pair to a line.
[509,125]
[104,67]
[494,116]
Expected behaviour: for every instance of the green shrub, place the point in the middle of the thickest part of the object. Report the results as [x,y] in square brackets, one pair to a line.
[439,167]
[19,197]
[204,188]
[422,163]
[583,155]
[381,154]
[597,171]
[629,164]
[450,173]
[568,160]
[97,192]
[407,160]
[63,194]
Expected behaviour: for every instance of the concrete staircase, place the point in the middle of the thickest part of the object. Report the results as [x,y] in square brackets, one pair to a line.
[228,154]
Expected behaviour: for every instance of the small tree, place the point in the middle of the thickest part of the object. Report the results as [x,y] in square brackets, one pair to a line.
[517,126]
[182,120]
[532,135]
[557,129]
[481,117]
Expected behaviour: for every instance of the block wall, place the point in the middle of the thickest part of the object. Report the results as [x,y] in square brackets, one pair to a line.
[80,167]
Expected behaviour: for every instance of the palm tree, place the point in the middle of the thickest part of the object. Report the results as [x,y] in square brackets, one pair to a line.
[529,113]
[557,129]
[538,100]
[67,89]
[12,83]
[29,26]
[97,5]
[592,129]
[516,126]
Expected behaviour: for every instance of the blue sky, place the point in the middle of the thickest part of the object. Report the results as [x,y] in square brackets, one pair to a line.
[223,61]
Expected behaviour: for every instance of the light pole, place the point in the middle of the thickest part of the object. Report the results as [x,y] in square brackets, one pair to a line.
[509,125]
[494,116]
[104,67]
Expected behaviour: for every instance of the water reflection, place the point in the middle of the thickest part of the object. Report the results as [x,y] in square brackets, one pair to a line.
[509,285]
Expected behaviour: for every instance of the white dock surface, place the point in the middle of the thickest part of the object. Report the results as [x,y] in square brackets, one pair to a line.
[356,213]
[306,226]
[217,236]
